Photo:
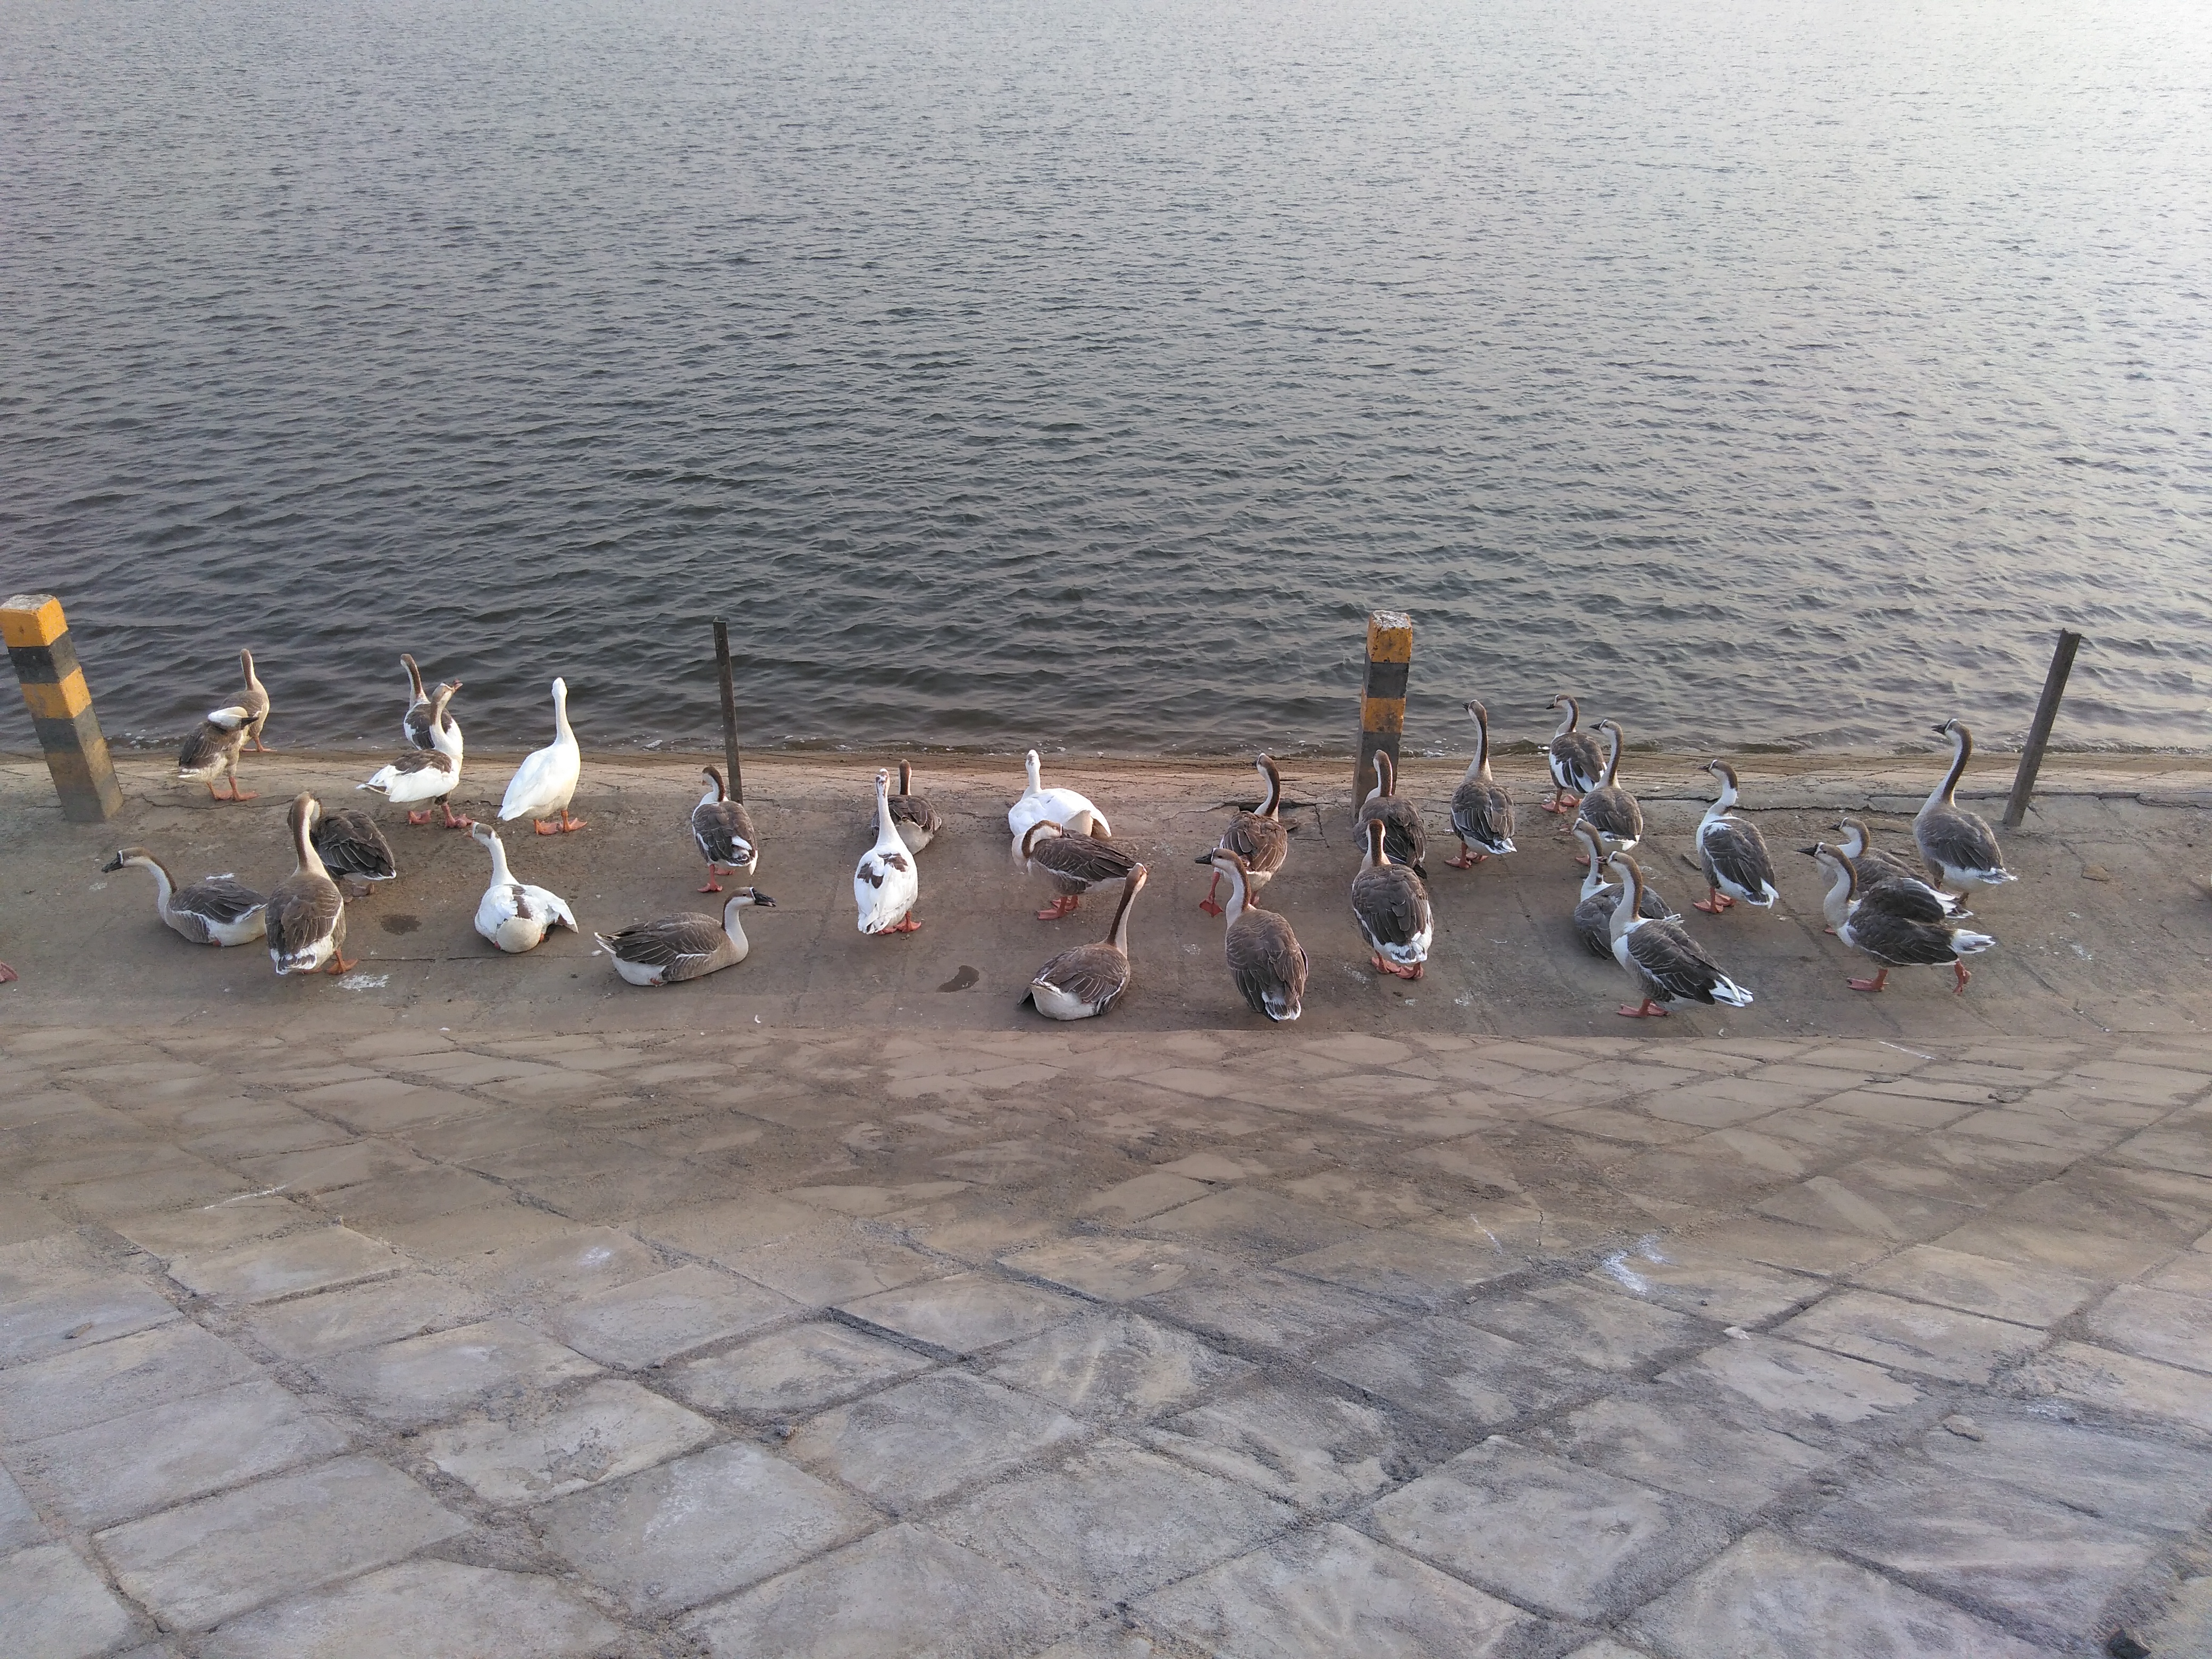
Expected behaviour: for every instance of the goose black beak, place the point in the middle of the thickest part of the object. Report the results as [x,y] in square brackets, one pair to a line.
[1204,858]
[761,901]
[112,866]
[1810,852]
[1944,730]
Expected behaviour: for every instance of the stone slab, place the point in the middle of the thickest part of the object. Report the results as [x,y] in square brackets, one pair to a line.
[1602,1328]
[1253,1219]
[1300,1444]
[1980,1284]
[77,1315]
[927,1438]
[1731,1292]
[91,1385]
[2120,1382]
[2150,1486]
[1911,1336]
[424,1378]
[1416,1268]
[1143,1195]
[422,1610]
[1120,1269]
[1117,1368]
[2156,1324]
[648,1320]
[964,1313]
[1682,1441]
[362,1315]
[1793,1381]
[288,1266]
[1457,1374]
[791,1372]
[57,1607]
[548,1450]
[19,1526]
[1271,1312]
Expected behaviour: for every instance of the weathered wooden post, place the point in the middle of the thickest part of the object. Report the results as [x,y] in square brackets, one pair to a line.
[1383,698]
[61,706]
[2039,735]
[729,709]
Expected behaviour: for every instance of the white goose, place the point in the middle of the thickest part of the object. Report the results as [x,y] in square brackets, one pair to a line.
[546,782]
[1039,805]
[427,775]
[513,914]
[885,884]
[1959,847]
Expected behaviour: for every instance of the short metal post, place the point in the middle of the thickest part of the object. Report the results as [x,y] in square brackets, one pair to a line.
[61,706]
[2039,735]
[729,708]
[1382,697]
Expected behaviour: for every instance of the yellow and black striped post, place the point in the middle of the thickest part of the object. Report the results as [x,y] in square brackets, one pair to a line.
[1383,698]
[61,707]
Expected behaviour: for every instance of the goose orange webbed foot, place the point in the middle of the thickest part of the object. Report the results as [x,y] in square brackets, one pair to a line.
[909,925]
[1645,1010]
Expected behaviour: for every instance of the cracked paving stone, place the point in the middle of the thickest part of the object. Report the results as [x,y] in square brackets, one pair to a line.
[285,1267]
[1446,1368]
[57,1606]
[647,1320]
[1790,1380]
[2120,1382]
[70,1317]
[923,1439]
[802,1369]
[424,1378]
[1301,1445]
[964,1313]
[1911,1336]
[362,1315]
[76,1390]
[2158,1325]
[422,1610]
[1117,1368]
[611,1429]
[1598,1328]
[1271,1311]
[1120,1269]
[1978,1285]
[2149,1485]
[1682,1442]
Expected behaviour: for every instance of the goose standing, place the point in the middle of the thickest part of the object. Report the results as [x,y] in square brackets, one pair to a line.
[546,782]
[1391,905]
[1481,812]
[513,914]
[353,850]
[213,749]
[1594,911]
[420,722]
[1734,852]
[305,915]
[1874,868]
[1038,805]
[427,775]
[216,911]
[724,831]
[1073,862]
[1260,838]
[254,700]
[1958,847]
[1664,962]
[1406,841]
[1609,808]
[1265,958]
[1575,763]
[677,948]
[1872,924]
[917,820]
[1086,982]
[885,884]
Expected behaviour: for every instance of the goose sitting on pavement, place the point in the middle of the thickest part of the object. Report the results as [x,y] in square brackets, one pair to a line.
[1072,862]
[1875,868]
[1959,847]
[916,818]
[216,911]
[1737,865]
[1039,805]
[546,782]
[1872,924]
[1404,837]
[513,914]
[682,947]
[1574,760]
[213,749]
[1087,980]
[1609,808]
[1664,962]
[254,700]
[886,886]
[1265,958]
[353,850]
[427,775]
[1260,838]
[724,831]
[305,915]
[1391,905]
[1593,910]
[1481,812]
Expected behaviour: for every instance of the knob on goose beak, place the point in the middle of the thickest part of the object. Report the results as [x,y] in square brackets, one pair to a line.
[1810,852]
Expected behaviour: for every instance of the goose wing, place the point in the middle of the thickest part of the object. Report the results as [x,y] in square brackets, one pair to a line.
[1673,962]
[1888,936]
[1091,974]
[1391,904]
[218,899]
[548,908]
[916,812]
[1483,814]
[1267,964]
[680,947]
[348,843]
[1911,898]
[1404,838]
[1265,843]
[207,746]
[1576,761]
[1958,839]
[1612,812]
[1081,859]
[305,910]
[1735,855]
[724,831]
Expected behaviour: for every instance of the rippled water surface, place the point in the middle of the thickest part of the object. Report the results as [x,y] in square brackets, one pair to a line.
[1082,373]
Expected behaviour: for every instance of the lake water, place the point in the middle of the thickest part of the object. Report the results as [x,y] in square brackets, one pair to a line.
[1082,373]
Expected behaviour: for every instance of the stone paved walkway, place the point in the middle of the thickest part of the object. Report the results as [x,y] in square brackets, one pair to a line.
[1102,1344]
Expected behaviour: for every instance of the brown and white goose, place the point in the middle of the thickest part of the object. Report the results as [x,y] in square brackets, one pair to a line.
[254,700]
[1874,924]
[1576,763]
[1958,847]
[1734,852]
[216,911]
[427,775]
[1608,808]
[1391,905]
[213,749]
[1875,868]
[724,831]
[305,915]
[1406,841]
[1072,862]
[1265,958]
[677,948]
[1664,962]
[419,722]
[1262,838]
[1481,812]
[915,819]
[1594,912]
[353,850]
[1084,982]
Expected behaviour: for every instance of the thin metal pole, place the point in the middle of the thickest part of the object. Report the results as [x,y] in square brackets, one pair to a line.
[2039,735]
[729,708]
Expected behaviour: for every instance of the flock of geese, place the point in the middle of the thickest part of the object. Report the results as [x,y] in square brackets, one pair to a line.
[1876,904]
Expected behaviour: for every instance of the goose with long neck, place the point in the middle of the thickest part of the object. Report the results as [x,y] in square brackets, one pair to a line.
[1405,838]
[216,911]
[427,775]
[1260,838]
[1875,868]
[513,914]
[682,947]
[254,700]
[1265,958]
[1481,812]
[1737,865]
[724,831]
[1574,761]
[1595,905]
[1874,924]
[1086,981]
[1039,805]
[546,782]
[916,818]
[418,723]
[1608,808]
[212,750]
[1665,964]
[1073,862]
[1391,905]
[886,886]
[304,918]
[1959,847]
